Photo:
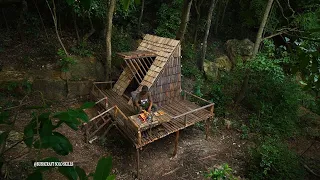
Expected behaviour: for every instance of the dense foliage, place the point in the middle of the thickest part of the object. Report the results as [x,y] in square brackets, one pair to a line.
[283,76]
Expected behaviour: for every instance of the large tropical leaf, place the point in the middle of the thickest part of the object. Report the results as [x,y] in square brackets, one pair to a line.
[103,168]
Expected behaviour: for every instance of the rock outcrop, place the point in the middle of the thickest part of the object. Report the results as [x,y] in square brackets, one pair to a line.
[239,50]
[214,68]
[52,83]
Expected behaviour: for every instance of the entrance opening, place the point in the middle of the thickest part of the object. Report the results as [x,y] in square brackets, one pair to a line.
[144,67]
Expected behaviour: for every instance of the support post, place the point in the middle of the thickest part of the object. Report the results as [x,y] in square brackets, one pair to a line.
[138,163]
[139,137]
[209,120]
[176,144]
[185,120]
[116,112]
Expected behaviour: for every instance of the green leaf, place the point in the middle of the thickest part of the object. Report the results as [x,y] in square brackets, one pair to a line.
[86,4]
[60,144]
[137,2]
[81,173]
[44,116]
[46,128]
[4,116]
[126,4]
[35,176]
[87,105]
[70,2]
[72,125]
[28,134]
[103,168]
[111,177]
[3,137]
[43,143]
[83,116]
[68,172]
[63,116]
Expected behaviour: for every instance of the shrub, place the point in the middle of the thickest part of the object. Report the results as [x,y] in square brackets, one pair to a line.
[221,172]
[65,61]
[273,98]
[272,159]
[215,92]
[169,19]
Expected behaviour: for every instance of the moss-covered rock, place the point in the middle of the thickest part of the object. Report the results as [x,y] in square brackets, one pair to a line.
[239,50]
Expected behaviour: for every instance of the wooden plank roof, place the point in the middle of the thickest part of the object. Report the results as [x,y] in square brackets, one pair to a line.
[163,48]
[136,54]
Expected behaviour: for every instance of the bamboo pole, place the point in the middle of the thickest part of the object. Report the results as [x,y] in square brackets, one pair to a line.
[137,72]
[138,66]
[133,74]
[198,97]
[144,62]
[189,112]
[141,65]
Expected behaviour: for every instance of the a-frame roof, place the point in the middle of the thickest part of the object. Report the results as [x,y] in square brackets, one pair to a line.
[163,48]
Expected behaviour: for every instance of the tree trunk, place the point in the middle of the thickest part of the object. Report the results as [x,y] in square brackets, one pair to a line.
[216,24]
[76,26]
[261,28]
[140,18]
[44,27]
[204,48]
[184,19]
[244,86]
[111,7]
[54,17]
[197,8]
[92,31]
[224,11]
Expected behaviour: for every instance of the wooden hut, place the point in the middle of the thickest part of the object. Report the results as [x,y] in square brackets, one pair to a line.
[157,64]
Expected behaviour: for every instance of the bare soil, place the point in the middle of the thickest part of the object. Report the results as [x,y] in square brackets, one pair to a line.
[195,154]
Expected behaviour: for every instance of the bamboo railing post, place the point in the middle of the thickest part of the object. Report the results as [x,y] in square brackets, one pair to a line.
[116,112]
[139,137]
[185,120]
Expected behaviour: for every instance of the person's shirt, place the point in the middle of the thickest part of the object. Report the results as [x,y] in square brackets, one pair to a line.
[143,100]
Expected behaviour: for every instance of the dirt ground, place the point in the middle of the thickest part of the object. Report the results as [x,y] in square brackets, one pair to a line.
[195,154]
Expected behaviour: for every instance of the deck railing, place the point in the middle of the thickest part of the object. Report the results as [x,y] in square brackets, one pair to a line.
[209,105]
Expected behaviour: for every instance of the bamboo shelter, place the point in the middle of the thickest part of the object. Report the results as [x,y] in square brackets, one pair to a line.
[157,64]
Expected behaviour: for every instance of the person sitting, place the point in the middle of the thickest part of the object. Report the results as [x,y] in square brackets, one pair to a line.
[143,100]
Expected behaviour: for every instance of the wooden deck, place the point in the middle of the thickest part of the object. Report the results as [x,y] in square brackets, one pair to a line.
[179,115]
[120,101]
[174,109]
[182,113]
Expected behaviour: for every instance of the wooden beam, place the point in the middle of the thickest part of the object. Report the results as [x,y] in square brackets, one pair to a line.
[132,72]
[144,62]
[141,65]
[198,97]
[135,70]
[189,112]
[149,61]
